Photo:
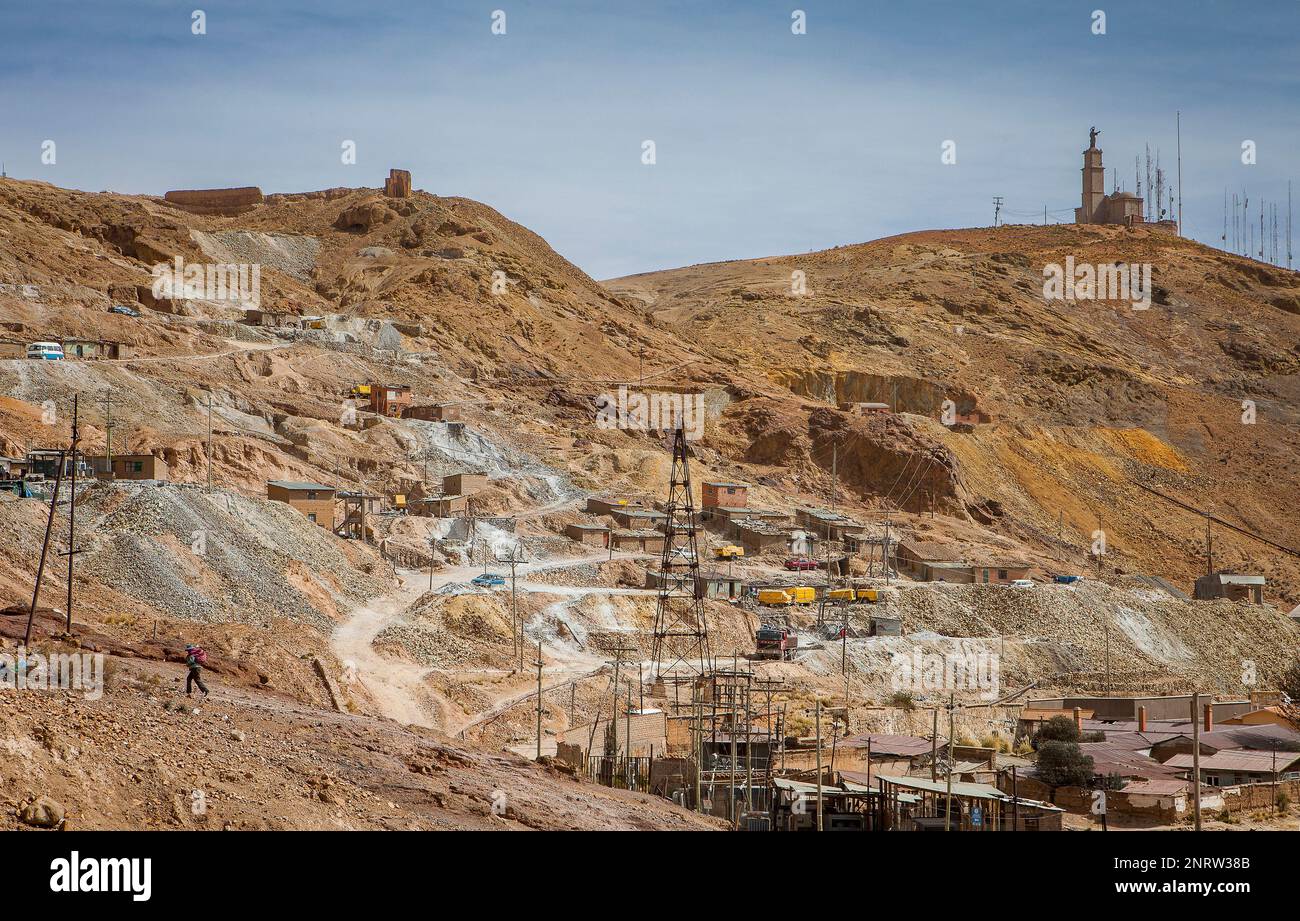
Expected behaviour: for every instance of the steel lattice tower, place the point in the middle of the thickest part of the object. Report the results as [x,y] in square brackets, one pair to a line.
[681,637]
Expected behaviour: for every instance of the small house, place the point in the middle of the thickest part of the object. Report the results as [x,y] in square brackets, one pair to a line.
[314,500]
[464,484]
[714,493]
[593,535]
[1231,586]
[130,467]
[390,399]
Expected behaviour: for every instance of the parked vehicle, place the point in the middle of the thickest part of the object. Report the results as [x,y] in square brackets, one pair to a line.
[45,351]
[1066,580]
[124,310]
[729,552]
[803,594]
[1022,583]
[775,596]
[488,580]
[840,594]
[868,594]
[800,564]
[775,643]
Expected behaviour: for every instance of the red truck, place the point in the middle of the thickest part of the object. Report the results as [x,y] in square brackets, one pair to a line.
[775,643]
[799,564]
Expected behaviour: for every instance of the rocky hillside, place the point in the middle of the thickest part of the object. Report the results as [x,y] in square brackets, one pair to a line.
[1084,399]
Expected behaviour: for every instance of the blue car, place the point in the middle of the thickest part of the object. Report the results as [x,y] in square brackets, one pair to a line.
[488,581]
[1066,580]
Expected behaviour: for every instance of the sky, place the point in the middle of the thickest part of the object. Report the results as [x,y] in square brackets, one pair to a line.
[766,142]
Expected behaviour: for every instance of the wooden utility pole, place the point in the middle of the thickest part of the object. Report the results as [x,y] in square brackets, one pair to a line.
[934,747]
[108,433]
[72,515]
[539,700]
[819,764]
[1196,759]
[952,760]
[45,546]
[210,443]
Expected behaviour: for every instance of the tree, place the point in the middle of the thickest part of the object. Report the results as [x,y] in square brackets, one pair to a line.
[1063,764]
[1057,729]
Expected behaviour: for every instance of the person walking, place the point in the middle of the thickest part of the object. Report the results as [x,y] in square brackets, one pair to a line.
[195,659]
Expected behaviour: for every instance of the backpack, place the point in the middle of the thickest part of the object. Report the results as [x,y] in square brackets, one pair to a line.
[200,657]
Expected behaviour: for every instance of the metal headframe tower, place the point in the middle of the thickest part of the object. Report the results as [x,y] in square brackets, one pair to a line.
[681,637]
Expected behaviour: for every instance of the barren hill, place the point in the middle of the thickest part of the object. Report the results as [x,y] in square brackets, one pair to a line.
[1070,410]
[1085,399]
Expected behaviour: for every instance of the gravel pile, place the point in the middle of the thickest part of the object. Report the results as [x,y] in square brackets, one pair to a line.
[143,539]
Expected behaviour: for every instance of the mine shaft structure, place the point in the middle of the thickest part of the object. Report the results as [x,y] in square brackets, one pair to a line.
[681,632]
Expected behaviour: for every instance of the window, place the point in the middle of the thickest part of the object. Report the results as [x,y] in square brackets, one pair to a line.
[311,494]
[1002,574]
[986,575]
[137,466]
[311,516]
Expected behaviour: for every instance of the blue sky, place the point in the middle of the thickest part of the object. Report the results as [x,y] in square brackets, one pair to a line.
[767,142]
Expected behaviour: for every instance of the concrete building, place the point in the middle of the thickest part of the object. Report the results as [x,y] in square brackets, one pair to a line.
[94,348]
[1232,586]
[638,541]
[593,535]
[131,467]
[638,518]
[606,505]
[437,412]
[1238,766]
[315,500]
[390,399]
[439,506]
[464,484]
[1097,207]
[828,525]
[714,493]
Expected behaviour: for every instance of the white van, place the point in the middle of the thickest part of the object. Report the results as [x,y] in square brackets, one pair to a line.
[45,351]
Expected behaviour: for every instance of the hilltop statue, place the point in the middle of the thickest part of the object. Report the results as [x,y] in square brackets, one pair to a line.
[1092,136]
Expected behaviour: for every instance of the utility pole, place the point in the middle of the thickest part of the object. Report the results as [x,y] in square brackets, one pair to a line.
[997,208]
[934,747]
[1196,758]
[952,760]
[1179,134]
[45,546]
[108,433]
[72,514]
[819,764]
[539,700]
[210,442]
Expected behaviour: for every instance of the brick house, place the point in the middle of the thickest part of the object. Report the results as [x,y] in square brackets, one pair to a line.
[315,500]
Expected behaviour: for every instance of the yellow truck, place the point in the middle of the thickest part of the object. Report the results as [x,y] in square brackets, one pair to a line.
[868,594]
[803,594]
[840,594]
[729,552]
[774,596]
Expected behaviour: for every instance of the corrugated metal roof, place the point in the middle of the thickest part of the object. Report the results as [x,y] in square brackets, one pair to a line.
[886,744]
[1238,759]
[298,485]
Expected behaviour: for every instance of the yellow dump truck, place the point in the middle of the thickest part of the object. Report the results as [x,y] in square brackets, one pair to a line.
[729,552]
[803,594]
[774,596]
[840,594]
